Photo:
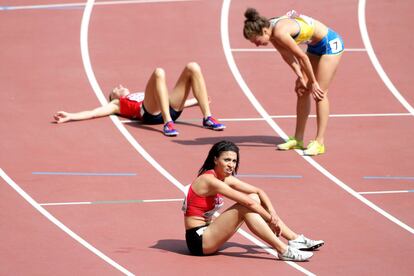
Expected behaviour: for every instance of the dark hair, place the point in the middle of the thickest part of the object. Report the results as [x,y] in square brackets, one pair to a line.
[215,152]
[254,23]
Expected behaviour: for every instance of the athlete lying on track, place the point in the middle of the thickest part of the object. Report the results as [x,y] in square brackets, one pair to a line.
[155,106]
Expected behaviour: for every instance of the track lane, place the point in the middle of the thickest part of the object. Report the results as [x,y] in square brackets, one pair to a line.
[383,53]
[332,163]
[248,137]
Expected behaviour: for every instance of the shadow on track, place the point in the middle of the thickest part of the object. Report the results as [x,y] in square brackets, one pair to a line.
[241,141]
[246,251]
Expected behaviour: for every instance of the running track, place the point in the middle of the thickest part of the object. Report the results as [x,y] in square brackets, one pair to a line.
[63,56]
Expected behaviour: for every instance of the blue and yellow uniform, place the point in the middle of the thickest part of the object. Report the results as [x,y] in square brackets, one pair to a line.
[331,44]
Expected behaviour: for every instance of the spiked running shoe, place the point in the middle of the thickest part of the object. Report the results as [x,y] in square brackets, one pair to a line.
[213,124]
[169,129]
[291,143]
[295,255]
[305,244]
[314,148]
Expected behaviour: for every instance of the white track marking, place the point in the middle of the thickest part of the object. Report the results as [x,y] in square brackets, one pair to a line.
[124,121]
[386,192]
[274,50]
[98,91]
[102,99]
[63,227]
[127,201]
[224,24]
[75,5]
[374,59]
[236,73]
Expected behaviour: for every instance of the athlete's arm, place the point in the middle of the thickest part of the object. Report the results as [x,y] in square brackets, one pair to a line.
[284,40]
[105,110]
[247,188]
[214,186]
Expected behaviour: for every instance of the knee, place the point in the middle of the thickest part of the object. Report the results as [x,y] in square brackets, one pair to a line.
[193,67]
[159,73]
[255,197]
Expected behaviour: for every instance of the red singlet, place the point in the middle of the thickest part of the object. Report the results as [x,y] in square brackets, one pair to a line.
[130,106]
[200,206]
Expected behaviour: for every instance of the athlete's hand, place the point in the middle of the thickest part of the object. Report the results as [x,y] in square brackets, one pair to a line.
[61,117]
[317,93]
[300,86]
[274,224]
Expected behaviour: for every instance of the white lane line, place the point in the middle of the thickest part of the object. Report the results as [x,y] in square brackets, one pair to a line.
[102,99]
[386,192]
[98,91]
[246,90]
[80,5]
[388,177]
[224,25]
[127,201]
[374,60]
[125,121]
[274,50]
[59,224]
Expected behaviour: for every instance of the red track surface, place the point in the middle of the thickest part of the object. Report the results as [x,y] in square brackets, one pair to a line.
[43,72]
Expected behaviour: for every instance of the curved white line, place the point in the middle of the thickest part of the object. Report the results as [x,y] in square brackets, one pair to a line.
[98,92]
[276,128]
[141,150]
[59,224]
[370,50]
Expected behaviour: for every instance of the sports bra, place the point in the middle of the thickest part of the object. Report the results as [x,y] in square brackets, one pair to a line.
[200,206]
[306,26]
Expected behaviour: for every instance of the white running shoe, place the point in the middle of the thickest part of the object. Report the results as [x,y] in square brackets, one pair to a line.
[295,255]
[305,244]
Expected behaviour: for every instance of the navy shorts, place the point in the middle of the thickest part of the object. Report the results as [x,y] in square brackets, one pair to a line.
[150,119]
[331,44]
[194,239]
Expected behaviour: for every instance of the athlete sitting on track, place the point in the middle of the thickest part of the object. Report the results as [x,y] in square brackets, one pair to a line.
[204,235]
[315,69]
[157,106]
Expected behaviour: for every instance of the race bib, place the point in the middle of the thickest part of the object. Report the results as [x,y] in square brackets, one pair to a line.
[136,97]
[336,45]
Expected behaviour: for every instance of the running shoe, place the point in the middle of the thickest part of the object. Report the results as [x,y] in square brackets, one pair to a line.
[314,148]
[213,124]
[305,244]
[291,143]
[169,129]
[295,255]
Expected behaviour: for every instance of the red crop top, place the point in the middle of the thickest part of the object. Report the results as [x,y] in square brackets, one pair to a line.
[200,206]
[130,106]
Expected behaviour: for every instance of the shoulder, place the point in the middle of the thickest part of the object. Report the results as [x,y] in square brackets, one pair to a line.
[206,184]
[115,102]
[207,177]
[284,27]
[114,105]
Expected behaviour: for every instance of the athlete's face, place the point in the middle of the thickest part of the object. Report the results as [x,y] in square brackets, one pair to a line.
[119,92]
[261,40]
[226,163]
